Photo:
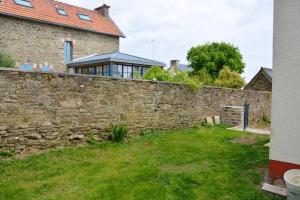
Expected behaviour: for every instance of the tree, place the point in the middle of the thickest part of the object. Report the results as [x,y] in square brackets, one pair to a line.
[214,56]
[159,74]
[203,76]
[230,79]
[156,73]
[6,60]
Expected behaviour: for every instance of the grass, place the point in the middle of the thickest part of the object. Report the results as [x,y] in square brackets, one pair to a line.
[187,164]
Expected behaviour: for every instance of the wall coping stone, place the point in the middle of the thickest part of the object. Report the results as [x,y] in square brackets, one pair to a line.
[60,74]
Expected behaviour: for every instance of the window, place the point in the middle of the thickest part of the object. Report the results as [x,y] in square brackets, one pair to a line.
[26,3]
[84,17]
[138,72]
[99,70]
[127,72]
[117,70]
[68,51]
[105,70]
[61,11]
[145,70]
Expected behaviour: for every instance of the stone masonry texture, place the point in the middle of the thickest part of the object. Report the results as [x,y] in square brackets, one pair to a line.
[44,110]
[40,43]
[232,115]
[261,84]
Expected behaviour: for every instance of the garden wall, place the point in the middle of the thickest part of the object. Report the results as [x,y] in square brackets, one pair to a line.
[43,110]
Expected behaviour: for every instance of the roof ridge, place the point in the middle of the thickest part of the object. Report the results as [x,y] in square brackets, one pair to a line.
[60,2]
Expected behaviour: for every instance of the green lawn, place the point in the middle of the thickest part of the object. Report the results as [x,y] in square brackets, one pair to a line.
[186,164]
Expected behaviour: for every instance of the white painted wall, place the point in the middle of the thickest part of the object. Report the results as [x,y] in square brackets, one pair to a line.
[285,139]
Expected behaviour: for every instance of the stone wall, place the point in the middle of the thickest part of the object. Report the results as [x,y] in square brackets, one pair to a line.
[232,115]
[39,111]
[261,84]
[40,43]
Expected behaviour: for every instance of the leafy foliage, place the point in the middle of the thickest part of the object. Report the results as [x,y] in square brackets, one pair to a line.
[214,56]
[157,73]
[230,79]
[6,60]
[119,133]
[203,76]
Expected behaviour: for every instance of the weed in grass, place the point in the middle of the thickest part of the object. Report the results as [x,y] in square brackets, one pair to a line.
[118,132]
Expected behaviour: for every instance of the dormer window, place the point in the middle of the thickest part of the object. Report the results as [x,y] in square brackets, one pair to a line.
[84,17]
[61,11]
[26,3]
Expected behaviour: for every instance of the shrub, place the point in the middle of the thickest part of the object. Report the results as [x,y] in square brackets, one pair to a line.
[91,140]
[230,79]
[203,76]
[6,154]
[119,133]
[6,60]
[156,73]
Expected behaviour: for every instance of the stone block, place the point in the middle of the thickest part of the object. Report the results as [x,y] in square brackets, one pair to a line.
[33,136]
[76,137]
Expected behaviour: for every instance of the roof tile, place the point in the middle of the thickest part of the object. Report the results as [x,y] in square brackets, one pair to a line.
[45,11]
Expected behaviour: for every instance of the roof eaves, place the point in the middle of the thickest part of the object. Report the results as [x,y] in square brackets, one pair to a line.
[60,24]
[261,71]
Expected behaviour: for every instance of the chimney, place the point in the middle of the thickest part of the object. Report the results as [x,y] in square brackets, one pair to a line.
[174,63]
[103,10]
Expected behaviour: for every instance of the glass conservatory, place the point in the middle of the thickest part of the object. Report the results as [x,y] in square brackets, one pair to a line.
[113,65]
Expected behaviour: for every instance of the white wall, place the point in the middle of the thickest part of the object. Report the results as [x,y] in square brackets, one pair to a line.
[285,139]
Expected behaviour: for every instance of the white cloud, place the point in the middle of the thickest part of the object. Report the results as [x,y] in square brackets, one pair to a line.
[176,25]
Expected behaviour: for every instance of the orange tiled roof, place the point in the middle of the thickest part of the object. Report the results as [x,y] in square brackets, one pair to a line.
[45,11]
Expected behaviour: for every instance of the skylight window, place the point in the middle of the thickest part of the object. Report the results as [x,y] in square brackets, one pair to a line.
[26,3]
[62,11]
[84,17]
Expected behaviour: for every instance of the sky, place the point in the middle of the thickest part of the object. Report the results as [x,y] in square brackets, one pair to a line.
[174,26]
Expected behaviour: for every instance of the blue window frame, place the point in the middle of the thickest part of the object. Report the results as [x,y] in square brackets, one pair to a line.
[62,11]
[26,3]
[84,17]
[68,51]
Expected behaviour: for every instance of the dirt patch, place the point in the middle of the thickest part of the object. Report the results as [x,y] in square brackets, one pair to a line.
[249,140]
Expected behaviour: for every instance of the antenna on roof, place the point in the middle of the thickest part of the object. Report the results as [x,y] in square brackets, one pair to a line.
[153,50]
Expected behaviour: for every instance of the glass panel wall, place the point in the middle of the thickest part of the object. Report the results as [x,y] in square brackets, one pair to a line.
[125,71]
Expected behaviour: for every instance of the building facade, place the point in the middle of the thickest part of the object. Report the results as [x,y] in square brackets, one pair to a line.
[262,81]
[54,33]
[285,138]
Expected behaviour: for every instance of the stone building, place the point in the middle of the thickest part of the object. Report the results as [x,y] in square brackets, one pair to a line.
[262,81]
[47,32]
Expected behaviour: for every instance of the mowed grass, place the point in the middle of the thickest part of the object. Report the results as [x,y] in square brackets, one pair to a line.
[186,164]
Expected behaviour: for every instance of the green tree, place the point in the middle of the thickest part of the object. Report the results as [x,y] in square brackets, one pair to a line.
[156,73]
[214,56]
[6,60]
[203,76]
[229,79]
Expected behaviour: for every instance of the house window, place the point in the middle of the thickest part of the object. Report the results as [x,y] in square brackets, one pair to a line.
[127,72]
[138,72]
[62,12]
[117,70]
[99,71]
[68,51]
[26,3]
[145,70]
[84,17]
[105,70]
